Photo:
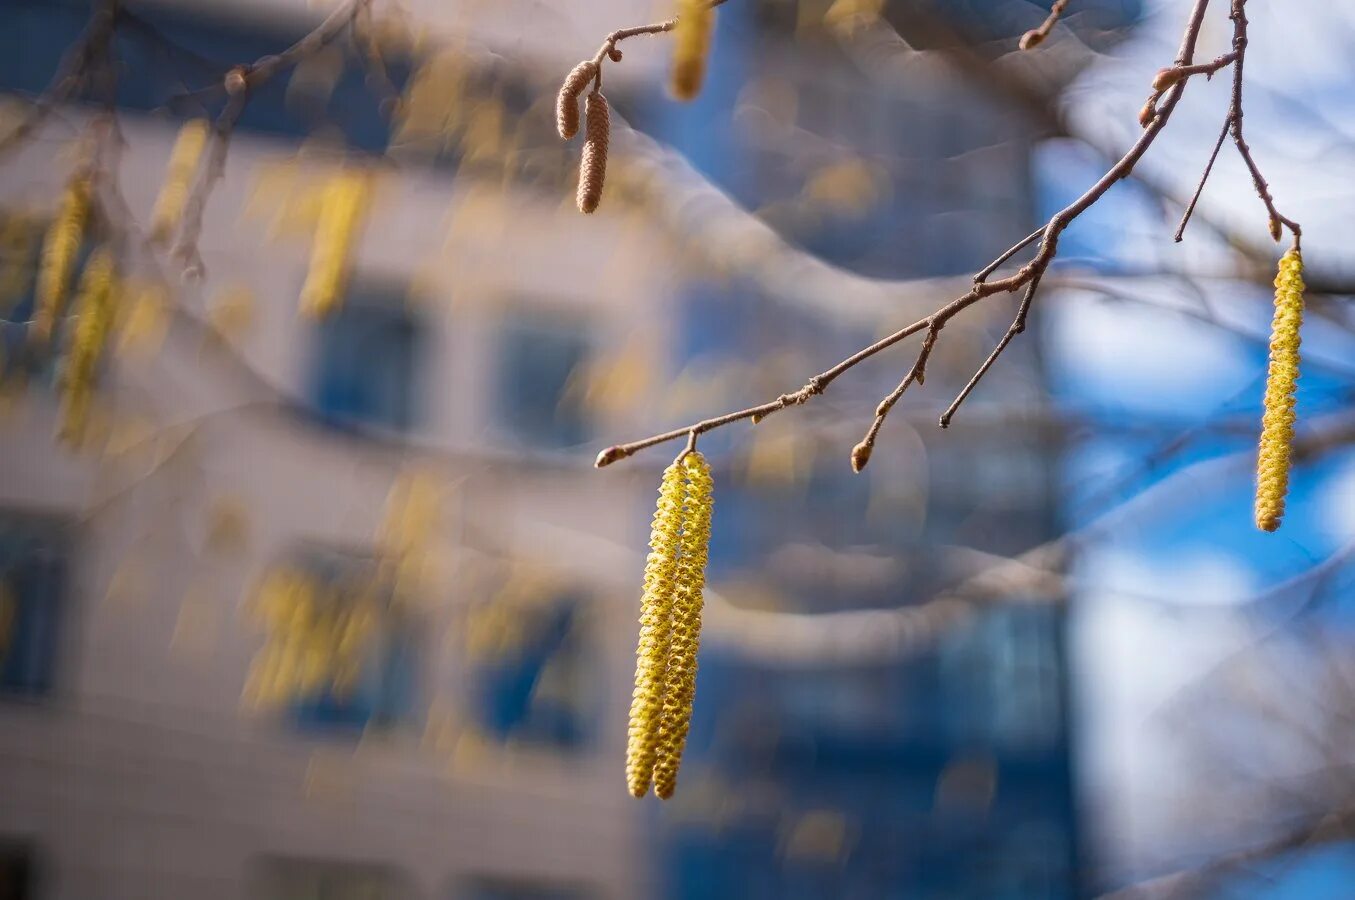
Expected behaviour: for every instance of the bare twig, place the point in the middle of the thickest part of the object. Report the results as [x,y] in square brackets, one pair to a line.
[1018,325]
[1036,36]
[1028,274]
[1199,188]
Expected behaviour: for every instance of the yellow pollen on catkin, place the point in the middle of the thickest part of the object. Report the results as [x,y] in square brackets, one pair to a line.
[94,314]
[691,47]
[593,162]
[342,208]
[567,102]
[60,248]
[680,681]
[1277,423]
[179,173]
[651,654]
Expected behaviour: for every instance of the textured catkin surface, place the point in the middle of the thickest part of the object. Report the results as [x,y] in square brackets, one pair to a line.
[593,163]
[567,102]
[691,46]
[680,679]
[60,248]
[94,318]
[341,212]
[656,611]
[179,174]
[1277,422]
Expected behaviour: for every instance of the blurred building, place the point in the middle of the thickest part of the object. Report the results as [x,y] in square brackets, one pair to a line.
[411,475]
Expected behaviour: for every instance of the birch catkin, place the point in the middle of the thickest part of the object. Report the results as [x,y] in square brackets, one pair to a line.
[1277,423]
[680,680]
[593,163]
[651,654]
[182,166]
[94,319]
[341,211]
[60,249]
[567,102]
[691,47]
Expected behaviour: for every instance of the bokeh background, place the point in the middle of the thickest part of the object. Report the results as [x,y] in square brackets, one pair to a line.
[338,608]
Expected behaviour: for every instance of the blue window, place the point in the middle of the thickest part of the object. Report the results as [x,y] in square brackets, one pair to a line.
[366,361]
[32,585]
[538,684]
[536,361]
[372,676]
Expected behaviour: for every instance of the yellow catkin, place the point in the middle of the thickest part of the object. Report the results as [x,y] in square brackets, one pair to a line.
[93,321]
[593,163]
[691,47]
[567,102]
[680,680]
[60,249]
[179,173]
[656,610]
[1277,423]
[342,208]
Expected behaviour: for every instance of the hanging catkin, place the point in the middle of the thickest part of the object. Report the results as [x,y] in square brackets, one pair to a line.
[691,47]
[593,163]
[1277,423]
[680,680]
[342,207]
[567,102]
[179,173]
[93,320]
[651,654]
[60,249]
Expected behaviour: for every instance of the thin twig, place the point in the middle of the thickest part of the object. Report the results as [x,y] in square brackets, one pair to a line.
[1018,325]
[862,451]
[1199,188]
[1027,274]
[1035,37]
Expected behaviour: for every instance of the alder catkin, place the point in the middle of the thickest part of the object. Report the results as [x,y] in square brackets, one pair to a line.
[341,211]
[60,249]
[567,102]
[691,47]
[179,172]
[1277,422]
[93,321]
[680,680]
[593,163]
[656,611]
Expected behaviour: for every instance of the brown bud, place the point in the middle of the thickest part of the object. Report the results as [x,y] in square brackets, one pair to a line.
[236,80]
[567,103]
[1165,78]
[1031,39]
[609,456]
[593,164]
[1148,113]
[1274,228]
[861,456]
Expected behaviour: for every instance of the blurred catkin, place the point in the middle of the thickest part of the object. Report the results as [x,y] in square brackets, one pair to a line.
[182,166]
[680,680]
[1277,423]
[593,163]
[651,655]
[342,208]
[567,102]
[93,321]
[60,249]
[691,47]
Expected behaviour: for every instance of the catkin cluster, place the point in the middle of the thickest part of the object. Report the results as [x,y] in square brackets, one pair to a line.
[1277,423]
[183,165]
[60,249]
[95,308]
[670,627]
[691,47]
[342,207]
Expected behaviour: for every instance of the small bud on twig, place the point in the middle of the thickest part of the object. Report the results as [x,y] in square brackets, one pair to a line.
[593,163]
[567,102]
[1149,112]
[860,456]
[1031,39]
[1165,78]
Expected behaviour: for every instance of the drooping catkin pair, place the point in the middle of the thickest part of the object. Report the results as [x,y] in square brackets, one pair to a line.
[597,129]
[94,313]
[691,47]
[670,627]
[60,251]
[1277,423]
[343,204]
[179,173]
